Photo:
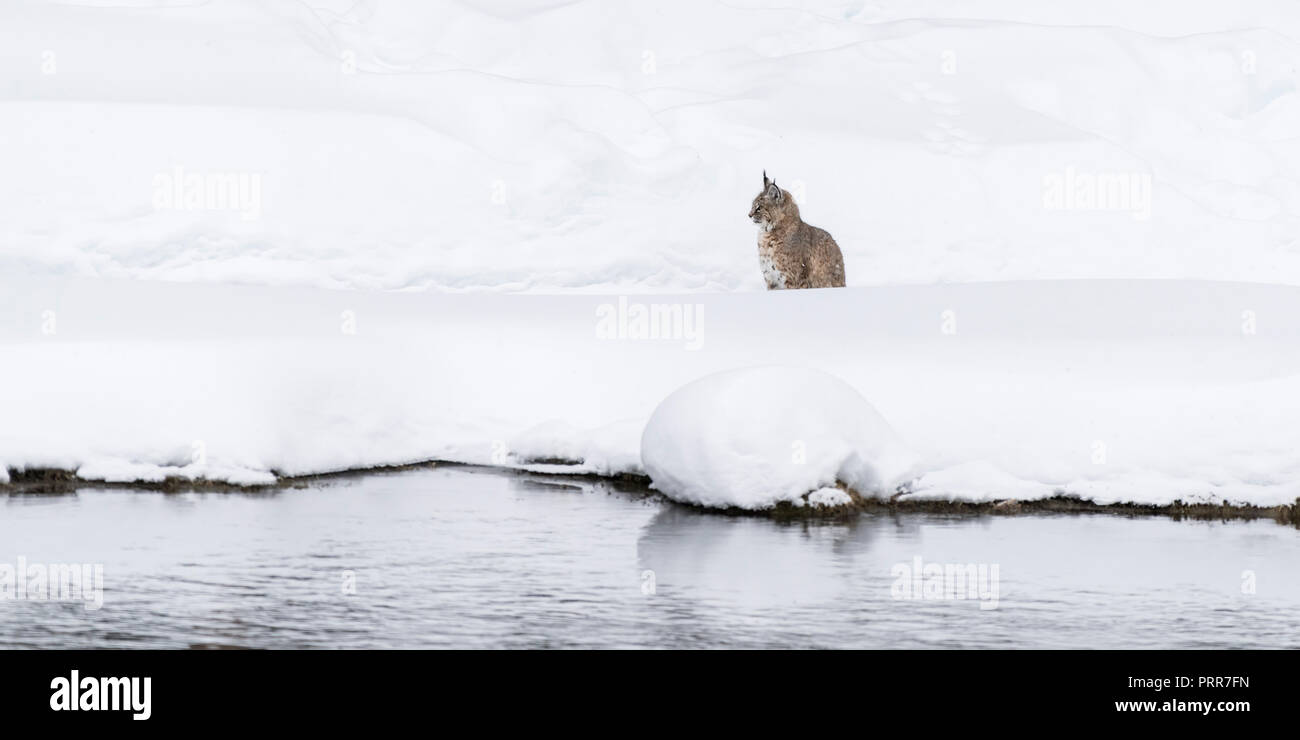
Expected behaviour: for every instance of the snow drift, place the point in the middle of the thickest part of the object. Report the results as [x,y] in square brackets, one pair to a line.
[756,437]
[1144,392]
[558,446]
[199,197]
[558,145]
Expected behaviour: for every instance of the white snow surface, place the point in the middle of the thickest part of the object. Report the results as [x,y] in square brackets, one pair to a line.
[582,145]
[558,446]
[1114,391]
[417,164]
[829,497]
[755,437]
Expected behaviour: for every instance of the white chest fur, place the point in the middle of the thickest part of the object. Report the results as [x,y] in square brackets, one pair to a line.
[773,276]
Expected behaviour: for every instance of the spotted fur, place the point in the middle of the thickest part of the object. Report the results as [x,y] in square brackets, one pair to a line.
[791,253]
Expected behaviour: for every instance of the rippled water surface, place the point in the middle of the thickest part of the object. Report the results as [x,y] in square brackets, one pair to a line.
[454,557]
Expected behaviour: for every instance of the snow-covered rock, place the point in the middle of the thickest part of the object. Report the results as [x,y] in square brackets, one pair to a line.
[755,437]
[829,498]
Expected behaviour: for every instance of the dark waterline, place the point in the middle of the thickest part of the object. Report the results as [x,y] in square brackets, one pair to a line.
[461,557]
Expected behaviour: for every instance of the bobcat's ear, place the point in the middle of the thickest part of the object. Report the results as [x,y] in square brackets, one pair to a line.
[773,191]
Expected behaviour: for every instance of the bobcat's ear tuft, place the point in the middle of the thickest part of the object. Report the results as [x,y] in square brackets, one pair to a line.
[765,180]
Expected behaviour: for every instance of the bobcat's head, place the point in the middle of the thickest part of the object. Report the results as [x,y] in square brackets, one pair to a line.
[772,206]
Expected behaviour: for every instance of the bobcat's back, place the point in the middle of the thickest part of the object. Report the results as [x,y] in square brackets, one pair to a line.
[804,257]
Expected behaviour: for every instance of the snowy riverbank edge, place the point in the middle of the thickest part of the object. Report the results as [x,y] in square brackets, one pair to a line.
[1114,392]
[47,481]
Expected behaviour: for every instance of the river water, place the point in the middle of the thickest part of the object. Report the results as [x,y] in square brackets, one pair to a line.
[465,557]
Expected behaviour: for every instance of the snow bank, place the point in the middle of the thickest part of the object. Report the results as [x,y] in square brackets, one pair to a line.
[113,470]
[321,179]
[1143,392]
[558,145]
[756,437]
[978,481]
[558,446]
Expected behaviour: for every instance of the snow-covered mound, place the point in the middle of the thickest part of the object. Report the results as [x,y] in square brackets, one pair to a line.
[755,437]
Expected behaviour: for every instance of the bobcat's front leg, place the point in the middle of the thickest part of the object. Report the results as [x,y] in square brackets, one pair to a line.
[773,276]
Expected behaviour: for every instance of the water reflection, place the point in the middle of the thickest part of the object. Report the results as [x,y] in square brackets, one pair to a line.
[751,562]
[456,557]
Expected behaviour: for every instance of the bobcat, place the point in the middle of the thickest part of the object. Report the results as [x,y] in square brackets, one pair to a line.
[791,253]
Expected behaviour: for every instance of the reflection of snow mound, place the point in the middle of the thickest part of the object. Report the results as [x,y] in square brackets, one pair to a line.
[751,562]
[754,437]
